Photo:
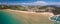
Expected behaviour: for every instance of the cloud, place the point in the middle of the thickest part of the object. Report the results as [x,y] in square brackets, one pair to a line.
[54,3]
[57,3]
[42,3]
[35,3]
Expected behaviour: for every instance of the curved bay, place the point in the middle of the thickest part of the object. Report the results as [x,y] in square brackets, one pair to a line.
[7,18]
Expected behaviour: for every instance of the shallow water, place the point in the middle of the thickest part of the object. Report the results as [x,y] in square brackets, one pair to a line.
[7,18]
[55,19]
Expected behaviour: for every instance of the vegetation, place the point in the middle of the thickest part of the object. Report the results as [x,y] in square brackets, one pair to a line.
[14,7]
[33,8]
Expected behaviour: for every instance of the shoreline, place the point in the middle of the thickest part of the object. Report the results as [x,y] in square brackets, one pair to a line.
[32,15]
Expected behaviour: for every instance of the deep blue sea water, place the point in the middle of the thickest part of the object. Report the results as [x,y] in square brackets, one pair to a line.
[6,18]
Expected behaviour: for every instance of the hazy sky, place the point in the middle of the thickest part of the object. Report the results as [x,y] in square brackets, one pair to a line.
[31,2]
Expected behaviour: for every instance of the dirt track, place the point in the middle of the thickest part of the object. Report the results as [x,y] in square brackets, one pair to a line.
[32,17]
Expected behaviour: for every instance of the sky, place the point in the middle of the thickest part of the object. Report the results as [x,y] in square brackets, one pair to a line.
[30,2]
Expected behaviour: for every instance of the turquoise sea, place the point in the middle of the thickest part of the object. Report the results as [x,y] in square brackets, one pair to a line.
[56,19]
[7,18]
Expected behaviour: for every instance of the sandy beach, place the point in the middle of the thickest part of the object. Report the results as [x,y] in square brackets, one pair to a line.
[32,17]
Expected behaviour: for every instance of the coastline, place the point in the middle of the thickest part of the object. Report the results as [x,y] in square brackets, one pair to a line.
[31,17]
